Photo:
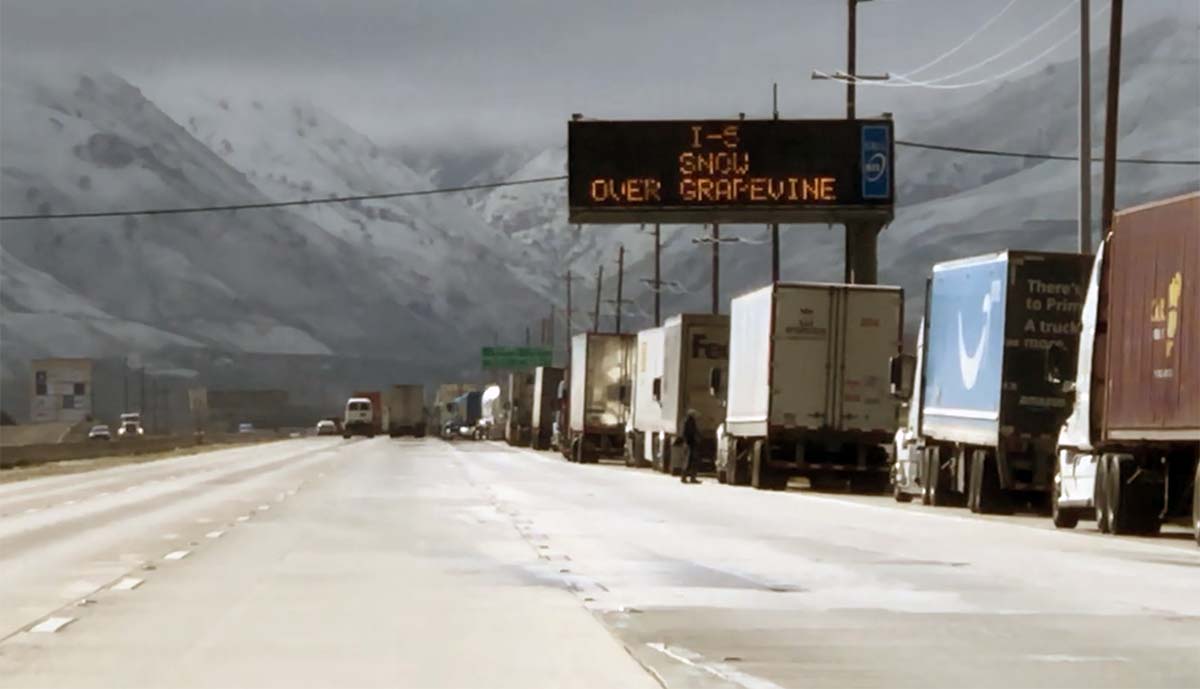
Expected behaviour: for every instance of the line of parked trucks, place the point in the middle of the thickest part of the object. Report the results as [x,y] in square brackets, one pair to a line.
[1042,380]
[1052,381]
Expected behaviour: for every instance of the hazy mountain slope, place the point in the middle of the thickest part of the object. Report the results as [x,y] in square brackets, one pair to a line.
[256,281]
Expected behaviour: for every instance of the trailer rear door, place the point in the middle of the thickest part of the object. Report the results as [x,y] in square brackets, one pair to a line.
[802,349]
[871,329]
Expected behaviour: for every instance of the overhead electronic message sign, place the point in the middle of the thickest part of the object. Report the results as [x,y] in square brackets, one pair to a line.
[730,171]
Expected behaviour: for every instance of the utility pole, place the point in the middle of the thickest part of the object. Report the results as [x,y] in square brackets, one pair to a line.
[657,275]
[716,268]
[599,284]
[620,282]
[527,341]
[775,226]
[570,278]
[1085,127]
[1112,103]
[142,396]
[851,56]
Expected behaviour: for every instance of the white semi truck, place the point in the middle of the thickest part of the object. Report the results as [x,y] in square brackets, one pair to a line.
[809,386]
[645,424]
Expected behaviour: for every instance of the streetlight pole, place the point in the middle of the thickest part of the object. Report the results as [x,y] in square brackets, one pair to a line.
[1108,200]
[1085,128]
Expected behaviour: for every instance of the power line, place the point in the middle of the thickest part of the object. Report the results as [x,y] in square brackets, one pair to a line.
[532,180]
[960,46]
[280,204]
[1011,47]
[1036,156]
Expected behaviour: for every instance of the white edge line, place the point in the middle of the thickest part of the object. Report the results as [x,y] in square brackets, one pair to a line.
[127,584]
[718,670]
[51,625]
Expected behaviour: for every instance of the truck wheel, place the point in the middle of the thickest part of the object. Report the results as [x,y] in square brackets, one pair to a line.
[989,497]
[1100,494]
[899,494]
[1127,506]
[630,449]
[1063,518]
[576,451]
[761,476]
[936,488]
[1196,504]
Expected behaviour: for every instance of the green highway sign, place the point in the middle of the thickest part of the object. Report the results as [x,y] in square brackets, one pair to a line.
[516,357]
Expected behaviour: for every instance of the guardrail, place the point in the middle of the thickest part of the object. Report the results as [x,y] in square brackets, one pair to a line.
[29,455]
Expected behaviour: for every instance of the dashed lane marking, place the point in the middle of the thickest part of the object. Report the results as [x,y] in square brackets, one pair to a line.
[243,518]
[263,508]
[127,584]
[176,554]
[51,625]
[214,534]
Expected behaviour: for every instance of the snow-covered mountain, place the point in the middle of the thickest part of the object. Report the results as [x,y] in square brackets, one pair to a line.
[417,280]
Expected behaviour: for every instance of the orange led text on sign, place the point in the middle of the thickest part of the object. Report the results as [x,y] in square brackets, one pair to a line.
[634,190]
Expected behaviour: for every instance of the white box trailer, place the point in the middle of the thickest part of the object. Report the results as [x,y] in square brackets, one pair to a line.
[520,415]
[646,414]
[694,346]
[809,385]
[600,380]
[405,406]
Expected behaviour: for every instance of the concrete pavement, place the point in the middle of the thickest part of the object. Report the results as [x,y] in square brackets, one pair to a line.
[421,563]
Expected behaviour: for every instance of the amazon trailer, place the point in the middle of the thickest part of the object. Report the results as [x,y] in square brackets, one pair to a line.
[808,389]
[546,381]
[988,417]
[1129,453]
[601,372]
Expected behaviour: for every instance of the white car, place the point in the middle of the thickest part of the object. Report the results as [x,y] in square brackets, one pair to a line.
[100,432]
[326,427]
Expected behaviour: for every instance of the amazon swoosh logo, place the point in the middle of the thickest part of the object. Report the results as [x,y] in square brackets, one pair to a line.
[968,364]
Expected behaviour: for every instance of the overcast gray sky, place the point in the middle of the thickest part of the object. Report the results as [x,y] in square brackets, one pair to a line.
[446,71]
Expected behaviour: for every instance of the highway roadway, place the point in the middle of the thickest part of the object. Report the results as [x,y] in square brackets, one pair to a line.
[419,563]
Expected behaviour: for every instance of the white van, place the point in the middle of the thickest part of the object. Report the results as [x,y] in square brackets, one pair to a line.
[359,418]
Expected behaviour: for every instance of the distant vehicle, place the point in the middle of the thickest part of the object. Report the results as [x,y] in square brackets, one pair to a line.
[405,410]
[379,409]
[601,374]
[359,418]
[546,380]
[493,414]
[983,419]
[245,428]
[462,415]
[326,427]
[808,386]
[1128,453]
[100,432]
[130,425]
